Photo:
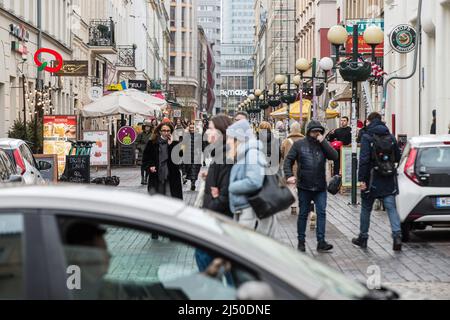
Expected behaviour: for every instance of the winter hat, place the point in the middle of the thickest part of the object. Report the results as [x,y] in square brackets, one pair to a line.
[315,125]
[241,131]
[296,128]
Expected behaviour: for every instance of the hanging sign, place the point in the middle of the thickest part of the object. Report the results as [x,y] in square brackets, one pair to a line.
[403,38]
[74,68]
[140,85]
[127,135]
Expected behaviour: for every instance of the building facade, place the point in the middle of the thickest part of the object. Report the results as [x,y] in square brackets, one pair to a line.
[184,48]
[210,18]
[410,103]
[237,59]
[20,37]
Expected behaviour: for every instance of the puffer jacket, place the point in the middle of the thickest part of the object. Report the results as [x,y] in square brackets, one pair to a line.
[247,174]
[311,157]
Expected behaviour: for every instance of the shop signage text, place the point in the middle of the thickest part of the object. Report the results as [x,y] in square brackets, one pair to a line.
[74,68]
[234,93]
[403,38]
[363,47]
[140,85]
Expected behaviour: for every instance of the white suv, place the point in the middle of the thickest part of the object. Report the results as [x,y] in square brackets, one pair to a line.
[23,159]
[424,184]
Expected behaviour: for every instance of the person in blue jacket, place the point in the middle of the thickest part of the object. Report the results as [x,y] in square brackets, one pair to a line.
[376,186]
[247,177]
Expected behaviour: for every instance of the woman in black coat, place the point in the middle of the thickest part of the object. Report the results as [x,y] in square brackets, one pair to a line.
[218,177]
[165,177]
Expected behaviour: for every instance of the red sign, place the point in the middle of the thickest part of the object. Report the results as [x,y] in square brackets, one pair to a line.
[363,47]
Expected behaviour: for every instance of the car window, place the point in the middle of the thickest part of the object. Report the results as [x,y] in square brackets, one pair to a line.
[11,256]
[27,154]
[435,157]
[122,263]
[4,174]
[321,274]
[8,164]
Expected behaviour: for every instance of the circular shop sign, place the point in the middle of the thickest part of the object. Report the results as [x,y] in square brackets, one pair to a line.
[95,93]
[126,135]
[403,38]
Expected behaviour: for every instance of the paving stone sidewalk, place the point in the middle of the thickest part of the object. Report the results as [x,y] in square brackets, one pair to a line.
[423,266]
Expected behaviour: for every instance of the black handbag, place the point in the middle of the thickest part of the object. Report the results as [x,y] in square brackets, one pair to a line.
[273,197]
[335,185]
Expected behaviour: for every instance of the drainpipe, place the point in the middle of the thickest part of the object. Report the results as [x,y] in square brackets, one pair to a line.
[416,55]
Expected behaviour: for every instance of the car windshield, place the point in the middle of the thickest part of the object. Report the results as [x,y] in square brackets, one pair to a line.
[329,279]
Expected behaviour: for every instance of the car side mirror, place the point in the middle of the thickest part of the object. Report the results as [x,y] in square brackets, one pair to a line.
[44,165]
[15,179]
[255,290]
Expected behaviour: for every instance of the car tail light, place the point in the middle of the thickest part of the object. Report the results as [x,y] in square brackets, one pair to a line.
[19,162]
[409,167]
[447,143]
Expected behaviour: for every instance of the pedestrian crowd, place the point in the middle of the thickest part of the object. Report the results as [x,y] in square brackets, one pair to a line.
[234,165]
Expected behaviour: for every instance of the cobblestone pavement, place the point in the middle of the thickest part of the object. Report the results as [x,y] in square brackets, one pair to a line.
[423,266]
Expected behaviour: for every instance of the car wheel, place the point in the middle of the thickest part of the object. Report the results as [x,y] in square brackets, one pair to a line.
[406,231]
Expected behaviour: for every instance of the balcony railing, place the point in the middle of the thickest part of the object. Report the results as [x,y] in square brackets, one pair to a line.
[126,56]
[101,33]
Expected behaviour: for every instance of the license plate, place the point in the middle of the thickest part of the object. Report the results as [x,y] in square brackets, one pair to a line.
[443,202]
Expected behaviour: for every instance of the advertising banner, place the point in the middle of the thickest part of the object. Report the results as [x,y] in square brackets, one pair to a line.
[58,129]
[363,47]
[100,150]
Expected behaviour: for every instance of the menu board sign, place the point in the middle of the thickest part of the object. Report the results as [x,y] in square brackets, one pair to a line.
[57,131]
[100,150]
[346,165]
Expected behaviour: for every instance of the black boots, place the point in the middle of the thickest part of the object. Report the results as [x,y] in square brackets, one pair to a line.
[324,247]
[360,242]
[301,246]
[397,243]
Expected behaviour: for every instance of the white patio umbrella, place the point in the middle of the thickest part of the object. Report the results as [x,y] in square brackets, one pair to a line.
[127,102]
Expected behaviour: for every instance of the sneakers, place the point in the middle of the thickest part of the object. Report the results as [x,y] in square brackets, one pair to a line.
[397,243]
[324,247]
[301,246]
[360,242]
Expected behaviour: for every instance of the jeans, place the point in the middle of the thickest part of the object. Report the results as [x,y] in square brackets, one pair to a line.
[366,210]
[320,200]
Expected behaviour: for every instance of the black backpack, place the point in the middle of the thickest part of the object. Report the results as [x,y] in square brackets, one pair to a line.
[383,155]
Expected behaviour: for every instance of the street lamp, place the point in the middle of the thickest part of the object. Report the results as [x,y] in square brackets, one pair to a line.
[355,71]
[302,65]
[373,36]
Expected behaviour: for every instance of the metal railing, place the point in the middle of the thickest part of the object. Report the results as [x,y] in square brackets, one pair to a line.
[126,56]
[101,33]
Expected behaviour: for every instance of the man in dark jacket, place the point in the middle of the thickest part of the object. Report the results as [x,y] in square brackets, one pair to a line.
[376,186]
[344,135]
[311,155]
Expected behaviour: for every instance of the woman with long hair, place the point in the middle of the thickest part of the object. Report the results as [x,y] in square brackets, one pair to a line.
[164,177]
[218,176]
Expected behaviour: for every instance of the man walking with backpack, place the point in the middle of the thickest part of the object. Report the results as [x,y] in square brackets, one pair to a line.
[378,176]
